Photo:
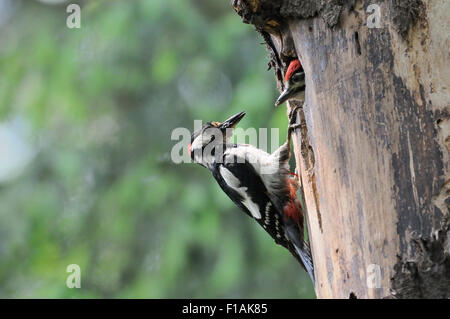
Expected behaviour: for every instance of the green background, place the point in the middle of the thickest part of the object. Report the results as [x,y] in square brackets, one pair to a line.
[86,117]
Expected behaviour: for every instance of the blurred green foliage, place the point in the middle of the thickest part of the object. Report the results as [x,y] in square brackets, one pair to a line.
[97,106]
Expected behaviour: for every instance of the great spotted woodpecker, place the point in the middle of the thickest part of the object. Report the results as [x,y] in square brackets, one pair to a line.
[259,183]
[294,82]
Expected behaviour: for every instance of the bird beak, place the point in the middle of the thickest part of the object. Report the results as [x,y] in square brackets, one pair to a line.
[232,121]
[286,95]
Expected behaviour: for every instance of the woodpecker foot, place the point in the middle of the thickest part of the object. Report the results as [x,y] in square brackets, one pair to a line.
[292,114]
[293,127]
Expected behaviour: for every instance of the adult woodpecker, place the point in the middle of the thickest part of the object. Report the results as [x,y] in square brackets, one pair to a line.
[259,183]
[295,83]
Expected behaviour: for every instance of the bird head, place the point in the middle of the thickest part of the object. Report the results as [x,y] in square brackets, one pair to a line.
[210,135]
[294,82]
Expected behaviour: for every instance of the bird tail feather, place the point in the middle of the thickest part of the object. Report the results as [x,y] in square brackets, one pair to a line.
[305,256]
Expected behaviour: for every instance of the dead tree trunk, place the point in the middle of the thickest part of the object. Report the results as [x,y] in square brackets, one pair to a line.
[374,153]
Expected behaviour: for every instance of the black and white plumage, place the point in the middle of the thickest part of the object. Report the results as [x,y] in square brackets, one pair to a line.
[259,183]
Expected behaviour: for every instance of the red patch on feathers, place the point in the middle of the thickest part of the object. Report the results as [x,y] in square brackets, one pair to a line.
[189,149]
[293,209]
[293,66]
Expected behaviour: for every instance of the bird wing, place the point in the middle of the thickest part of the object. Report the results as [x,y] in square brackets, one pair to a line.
[244,186]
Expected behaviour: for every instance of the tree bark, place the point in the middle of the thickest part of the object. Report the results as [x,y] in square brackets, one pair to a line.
[374,151]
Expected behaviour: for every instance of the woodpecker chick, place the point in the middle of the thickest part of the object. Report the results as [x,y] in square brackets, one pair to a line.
[259,183]
[294,82]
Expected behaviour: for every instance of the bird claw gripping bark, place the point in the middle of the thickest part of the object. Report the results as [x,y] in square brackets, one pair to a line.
[292,120]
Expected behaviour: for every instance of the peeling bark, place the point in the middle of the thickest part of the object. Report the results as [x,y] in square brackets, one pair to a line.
[374,149]
[406,13]
[428,274]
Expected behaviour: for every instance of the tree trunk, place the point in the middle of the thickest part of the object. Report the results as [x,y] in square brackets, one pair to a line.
[374,153]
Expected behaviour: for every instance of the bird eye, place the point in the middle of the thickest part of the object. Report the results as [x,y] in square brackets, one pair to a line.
[298,77]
